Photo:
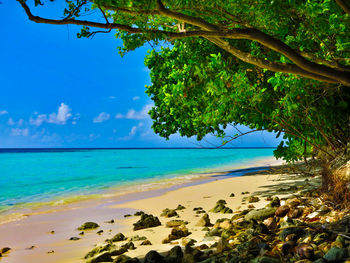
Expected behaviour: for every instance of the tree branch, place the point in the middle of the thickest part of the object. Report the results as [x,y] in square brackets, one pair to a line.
[265,64]
[302,67]
[236,137]
[65,21]
[344,6]
[264,39]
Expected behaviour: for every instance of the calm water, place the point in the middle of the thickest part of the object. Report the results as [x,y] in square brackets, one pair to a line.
[28,176]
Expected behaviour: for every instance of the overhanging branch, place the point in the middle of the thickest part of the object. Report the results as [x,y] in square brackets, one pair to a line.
[344,6]
[213,33]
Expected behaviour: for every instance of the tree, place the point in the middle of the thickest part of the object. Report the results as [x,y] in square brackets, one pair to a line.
[280,66]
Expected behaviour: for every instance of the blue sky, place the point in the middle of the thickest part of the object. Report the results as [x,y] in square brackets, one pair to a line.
[61,91]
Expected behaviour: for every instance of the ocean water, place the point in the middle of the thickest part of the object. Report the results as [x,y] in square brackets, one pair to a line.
[29,176]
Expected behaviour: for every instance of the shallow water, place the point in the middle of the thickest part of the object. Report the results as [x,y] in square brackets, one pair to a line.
[42,175]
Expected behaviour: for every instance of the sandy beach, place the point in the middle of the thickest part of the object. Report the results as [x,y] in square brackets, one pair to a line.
[31,239]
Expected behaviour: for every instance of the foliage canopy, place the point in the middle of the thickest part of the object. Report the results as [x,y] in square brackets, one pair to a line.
[280,65]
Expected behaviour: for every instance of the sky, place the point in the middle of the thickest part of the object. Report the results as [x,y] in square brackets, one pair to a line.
[61,91]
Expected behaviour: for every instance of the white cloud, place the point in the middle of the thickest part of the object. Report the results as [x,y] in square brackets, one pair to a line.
[38,121]
[11,122]
[3,112]
[119,116]
[112,97]
[19,132]
[103,116]
[63,114]
[136,98]
[133,131]
[20,122]
[136,115]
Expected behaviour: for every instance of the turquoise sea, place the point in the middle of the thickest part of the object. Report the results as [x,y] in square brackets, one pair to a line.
[29,176]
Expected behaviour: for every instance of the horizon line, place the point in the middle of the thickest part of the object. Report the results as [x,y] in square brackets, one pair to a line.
[126,148]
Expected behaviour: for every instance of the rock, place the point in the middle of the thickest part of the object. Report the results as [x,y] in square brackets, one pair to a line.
[176,233]
[139,213]
[226,210]
[111,221]
[99,232]
[251,206]
[175,223]
[99,249]
[180,207]
[31,247]
[271,223]
[260,214]
[214,232]
[130,245]
[154,257]
[221,202]
[137,238]
[125,259]
[204,221]
[265,259]
[188,242]
[221,246]
[232,195]
[50,252]
[146,243]
[127,215]
[336,254]
[197,208]
[221,208]
[295,213]
[5,250]
[305,250]
[147,221]
[104,257]
[293,202]
[253,199]
[175,255]
[282,211]
[81,233]
[74,238]
[275,202]
[227,233]
[297,232]
[226,224]
[217,208]
[169,213]
[287,247]
[245,193]
[180,232]
[117,237]
[88,225]
[203,247]
[52,232]
[118,251]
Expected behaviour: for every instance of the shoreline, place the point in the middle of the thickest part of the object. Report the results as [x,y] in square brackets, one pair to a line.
[133,188]
[34,230]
